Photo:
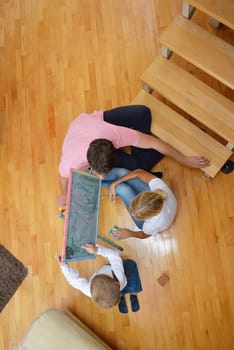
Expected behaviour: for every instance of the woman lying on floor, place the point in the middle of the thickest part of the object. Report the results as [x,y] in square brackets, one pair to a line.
[153,209]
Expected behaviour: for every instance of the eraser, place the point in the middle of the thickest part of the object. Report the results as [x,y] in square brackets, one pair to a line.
[163,279]
[114,228]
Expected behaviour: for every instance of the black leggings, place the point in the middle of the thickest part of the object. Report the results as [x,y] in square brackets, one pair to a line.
[137,117]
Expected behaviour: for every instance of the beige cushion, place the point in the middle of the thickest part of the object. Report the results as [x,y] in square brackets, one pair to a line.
[58,330]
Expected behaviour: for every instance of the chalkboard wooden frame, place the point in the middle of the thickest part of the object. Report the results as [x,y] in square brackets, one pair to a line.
[82,213]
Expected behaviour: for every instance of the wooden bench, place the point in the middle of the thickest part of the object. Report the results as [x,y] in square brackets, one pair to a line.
[183,89]
[174,129]
[220,10]
[201,48]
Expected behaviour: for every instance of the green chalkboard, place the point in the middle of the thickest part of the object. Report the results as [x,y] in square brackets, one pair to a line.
[82,211]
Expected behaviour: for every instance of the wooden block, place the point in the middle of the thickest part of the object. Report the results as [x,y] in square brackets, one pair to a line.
[163,279]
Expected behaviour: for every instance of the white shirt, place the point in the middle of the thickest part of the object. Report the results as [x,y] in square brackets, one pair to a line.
[163,220]
[116,265]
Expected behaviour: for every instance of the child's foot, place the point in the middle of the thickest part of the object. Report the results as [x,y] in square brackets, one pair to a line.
[123,306]
[134,302]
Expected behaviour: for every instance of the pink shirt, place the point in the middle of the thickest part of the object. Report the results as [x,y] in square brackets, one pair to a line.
[82,131]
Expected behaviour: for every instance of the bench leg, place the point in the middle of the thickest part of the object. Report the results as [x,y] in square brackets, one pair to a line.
[187,10]
[230,146]
[147,89]
[207,176]
[165,52]
[214,22]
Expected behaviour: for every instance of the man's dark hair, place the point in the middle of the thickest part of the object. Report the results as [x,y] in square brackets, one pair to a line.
[101,155]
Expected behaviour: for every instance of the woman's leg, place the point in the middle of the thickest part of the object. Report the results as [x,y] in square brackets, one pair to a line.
[137,117]
[127,193]
[116,173]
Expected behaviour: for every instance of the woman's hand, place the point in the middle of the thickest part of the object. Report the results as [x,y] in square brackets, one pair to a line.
[122,233]
[112,193]
[90,248]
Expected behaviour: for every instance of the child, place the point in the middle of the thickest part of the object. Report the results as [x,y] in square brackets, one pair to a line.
[108,285]
[156,208]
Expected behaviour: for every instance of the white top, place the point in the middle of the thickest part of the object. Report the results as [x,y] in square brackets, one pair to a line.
[163,220]
[116,265]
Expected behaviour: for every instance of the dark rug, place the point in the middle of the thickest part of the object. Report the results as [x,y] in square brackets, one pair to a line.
[12,273]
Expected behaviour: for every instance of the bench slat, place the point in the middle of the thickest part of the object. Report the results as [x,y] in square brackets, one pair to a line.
[201,48]
[172,128]
[221,10]
[193,96]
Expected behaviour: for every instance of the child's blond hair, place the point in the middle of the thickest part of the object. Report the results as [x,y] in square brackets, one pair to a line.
[147,204]
[105,291]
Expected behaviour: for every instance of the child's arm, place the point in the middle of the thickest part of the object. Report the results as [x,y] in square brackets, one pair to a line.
[115,261]
[123,233]
[73,277]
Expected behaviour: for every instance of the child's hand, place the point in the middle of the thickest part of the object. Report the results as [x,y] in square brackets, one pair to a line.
[58,258]
[90,248]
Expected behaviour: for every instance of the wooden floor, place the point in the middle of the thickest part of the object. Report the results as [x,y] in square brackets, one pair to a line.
[59,58]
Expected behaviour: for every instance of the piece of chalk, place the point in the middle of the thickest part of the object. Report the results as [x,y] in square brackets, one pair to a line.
[110,243]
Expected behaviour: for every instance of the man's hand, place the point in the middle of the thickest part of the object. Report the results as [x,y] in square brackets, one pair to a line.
[148,141]
[196,162]
[61,201]
[90,248]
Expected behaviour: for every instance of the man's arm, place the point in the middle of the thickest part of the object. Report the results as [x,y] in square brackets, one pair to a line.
[62,199]
[63,182]
[114,258]
[148,141]
[73,277]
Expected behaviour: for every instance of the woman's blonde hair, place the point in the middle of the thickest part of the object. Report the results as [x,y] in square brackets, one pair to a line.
[147,204]
[105,291]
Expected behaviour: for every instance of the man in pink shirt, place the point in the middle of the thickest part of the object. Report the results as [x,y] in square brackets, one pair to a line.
[95,140]
[82,131]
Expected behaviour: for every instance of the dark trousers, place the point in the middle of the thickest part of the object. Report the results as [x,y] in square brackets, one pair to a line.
[133,279]
[137,117]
